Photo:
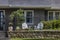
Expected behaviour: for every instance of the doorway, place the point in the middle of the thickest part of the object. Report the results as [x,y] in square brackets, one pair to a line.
[2,19]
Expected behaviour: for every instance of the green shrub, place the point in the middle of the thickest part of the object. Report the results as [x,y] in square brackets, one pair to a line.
[58,24]
[54,24]
[47,25]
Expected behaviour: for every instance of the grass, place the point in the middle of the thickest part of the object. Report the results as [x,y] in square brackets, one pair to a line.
[16,39]
[31,39]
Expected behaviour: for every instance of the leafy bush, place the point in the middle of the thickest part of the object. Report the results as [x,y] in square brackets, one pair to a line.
[47,25]
[17,18]
[54,24]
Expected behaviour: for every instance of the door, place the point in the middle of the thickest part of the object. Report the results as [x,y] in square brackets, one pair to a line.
[2,19]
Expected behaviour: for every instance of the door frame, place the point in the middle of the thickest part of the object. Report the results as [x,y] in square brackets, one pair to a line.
[4,19]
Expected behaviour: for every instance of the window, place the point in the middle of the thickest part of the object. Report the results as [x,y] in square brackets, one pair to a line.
[50,15]
[53,15]
[57,15]
[29,16]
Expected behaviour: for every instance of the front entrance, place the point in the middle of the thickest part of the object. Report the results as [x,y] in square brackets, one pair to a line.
[2,20]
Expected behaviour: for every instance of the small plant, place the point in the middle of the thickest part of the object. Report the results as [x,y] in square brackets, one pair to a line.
[17,18]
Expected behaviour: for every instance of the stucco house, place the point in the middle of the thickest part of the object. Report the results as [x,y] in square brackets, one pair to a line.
[34,11]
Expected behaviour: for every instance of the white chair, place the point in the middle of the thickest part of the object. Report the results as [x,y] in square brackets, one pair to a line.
[40,25]
[35,27]
[24,26]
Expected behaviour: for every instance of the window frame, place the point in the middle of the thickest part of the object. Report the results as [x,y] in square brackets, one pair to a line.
[54,12]
[25,12]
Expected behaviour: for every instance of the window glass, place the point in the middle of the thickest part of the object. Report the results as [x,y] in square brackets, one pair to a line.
[1,18]
[56,15]
[29,17]
[53,15]
[50,15]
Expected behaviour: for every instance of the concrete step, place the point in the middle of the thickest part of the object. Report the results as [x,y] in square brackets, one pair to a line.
[2,34]
[4,38]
